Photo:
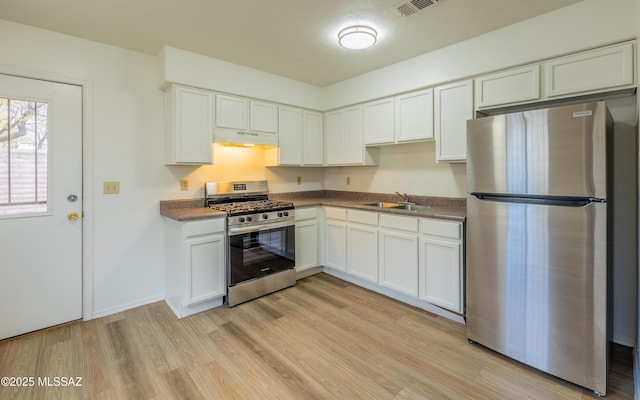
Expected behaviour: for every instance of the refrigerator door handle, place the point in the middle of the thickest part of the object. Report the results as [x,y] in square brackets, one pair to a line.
[561,201]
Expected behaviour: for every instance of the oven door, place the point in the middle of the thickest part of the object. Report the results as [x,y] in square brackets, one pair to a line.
[258,251]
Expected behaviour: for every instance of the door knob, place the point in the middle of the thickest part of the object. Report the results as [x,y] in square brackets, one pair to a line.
[72,216]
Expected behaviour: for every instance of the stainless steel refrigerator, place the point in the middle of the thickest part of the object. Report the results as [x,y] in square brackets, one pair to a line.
[537,252]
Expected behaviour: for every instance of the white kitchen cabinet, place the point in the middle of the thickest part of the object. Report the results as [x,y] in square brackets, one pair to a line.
[263,117]
[414,116]
[301,138]
[313,138]
[335,246]
[188,125]
[344,141]
[362,245]
[244,121]
[593,71]
[398,251]
[509,87]
[307,239]
[232,112]
[441,265]
[379,122]
[453,107]
[195,265]
[290,136]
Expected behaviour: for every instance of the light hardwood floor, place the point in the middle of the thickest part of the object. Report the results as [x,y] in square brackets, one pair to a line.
[322,339]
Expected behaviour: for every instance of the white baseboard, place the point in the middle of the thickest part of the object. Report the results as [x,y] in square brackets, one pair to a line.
[127,306]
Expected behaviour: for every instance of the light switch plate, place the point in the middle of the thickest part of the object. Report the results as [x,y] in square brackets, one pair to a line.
[111,187]
[184,184]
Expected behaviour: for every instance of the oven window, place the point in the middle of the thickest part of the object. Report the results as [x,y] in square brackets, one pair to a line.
[256,254]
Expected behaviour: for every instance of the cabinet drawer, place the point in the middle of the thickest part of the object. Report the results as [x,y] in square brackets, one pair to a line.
[204,227]
[306,213]
[441,228]
[336,213]
[401,223]
[363,217]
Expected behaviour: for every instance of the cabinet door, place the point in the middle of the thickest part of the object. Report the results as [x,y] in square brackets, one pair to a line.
[336,245]
[263,117]
[353,137]
[334,138]
[313,138]
[189,125]
[508,87]
[306,244]
[441,272]
[414,116]
[290,132]
[453,107]
[205,268]
[590,71]
[232,112]
[362,251]
[399,261]
[379,122]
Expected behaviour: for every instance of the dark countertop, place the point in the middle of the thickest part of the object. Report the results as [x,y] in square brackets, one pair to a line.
[188,210]
[440,207]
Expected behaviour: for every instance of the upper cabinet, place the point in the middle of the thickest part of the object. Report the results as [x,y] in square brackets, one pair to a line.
[403,118]
[232,112]
[344,141]
[301,138]
[587,73]
[508,87]
[188,125]
[241,120]
[379,122]
[414,116]
[597,70]
[453,107]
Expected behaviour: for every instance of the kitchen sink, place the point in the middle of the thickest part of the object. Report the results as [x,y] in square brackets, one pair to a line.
[398,206]
[382,204]
[412,207]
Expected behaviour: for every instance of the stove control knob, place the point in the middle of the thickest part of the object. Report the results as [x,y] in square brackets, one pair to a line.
[249,219]
[280,214]
[241,219]
[265,216]
[286,213]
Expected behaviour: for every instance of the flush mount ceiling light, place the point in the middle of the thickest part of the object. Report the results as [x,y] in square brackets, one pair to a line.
[357,37]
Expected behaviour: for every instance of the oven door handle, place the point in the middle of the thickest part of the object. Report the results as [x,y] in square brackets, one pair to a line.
[263,227]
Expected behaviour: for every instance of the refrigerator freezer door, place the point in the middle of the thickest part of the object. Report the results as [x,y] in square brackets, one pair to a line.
[558,151]
[537,286]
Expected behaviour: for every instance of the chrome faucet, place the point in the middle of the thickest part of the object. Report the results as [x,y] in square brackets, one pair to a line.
[405,197]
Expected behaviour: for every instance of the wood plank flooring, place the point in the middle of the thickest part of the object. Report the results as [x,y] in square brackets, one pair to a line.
[322,339]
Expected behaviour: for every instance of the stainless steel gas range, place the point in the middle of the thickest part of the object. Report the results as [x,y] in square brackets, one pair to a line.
[260,239]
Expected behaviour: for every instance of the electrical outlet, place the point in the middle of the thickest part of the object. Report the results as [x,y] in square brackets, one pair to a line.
[110,187]
[298,180]
[348,180]
[184,184]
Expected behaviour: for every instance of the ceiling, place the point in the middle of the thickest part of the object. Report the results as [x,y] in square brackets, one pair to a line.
[292,38]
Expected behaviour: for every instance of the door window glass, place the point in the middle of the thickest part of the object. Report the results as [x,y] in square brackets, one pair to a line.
[24,163]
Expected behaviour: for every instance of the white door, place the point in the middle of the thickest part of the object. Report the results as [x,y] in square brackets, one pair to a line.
[40,204]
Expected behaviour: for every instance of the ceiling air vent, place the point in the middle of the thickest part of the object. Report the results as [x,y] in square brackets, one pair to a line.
[411,7]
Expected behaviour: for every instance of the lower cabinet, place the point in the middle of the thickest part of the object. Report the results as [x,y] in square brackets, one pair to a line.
[306,238]
[195,270]
[441,264]
[362,244]
[399,254]
[335,247]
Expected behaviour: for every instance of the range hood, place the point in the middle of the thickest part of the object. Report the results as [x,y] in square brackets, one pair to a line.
[240,137]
